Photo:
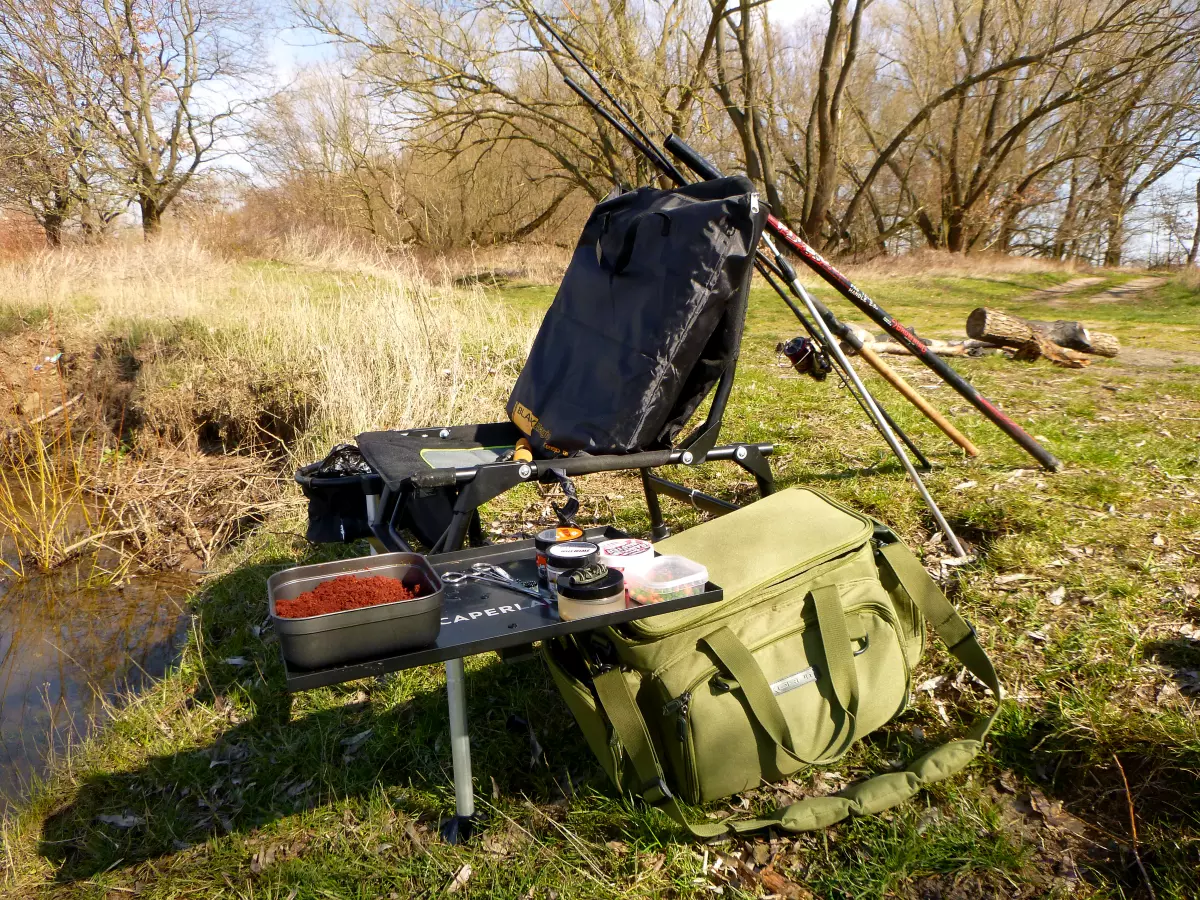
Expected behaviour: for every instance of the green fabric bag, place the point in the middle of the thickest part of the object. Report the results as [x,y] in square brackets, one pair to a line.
[811,649]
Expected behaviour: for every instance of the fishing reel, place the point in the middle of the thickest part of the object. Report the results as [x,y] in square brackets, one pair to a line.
[806,357]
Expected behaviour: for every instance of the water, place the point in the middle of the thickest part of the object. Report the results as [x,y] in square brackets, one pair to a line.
[66,650]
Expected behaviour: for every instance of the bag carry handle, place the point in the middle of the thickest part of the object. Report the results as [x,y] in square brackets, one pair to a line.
[864,798]
[839,662]
[617,266]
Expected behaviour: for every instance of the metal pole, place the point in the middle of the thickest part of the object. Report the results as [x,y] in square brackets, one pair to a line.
[765,268]
[460,741]
[873,410]
[372,515]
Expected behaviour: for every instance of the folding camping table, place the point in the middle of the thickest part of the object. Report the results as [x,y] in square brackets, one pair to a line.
[478,617]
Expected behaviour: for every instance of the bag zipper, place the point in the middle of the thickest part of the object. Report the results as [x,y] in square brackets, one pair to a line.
[681,705]
[646,628]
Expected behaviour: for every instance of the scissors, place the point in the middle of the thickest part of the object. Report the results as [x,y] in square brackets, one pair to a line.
[490,574]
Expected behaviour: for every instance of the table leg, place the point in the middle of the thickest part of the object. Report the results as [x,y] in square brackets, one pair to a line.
[459,828]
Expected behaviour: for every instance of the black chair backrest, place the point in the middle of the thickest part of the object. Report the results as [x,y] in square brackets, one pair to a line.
[648,318]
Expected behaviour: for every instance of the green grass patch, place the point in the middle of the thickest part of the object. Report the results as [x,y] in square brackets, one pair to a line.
[1084,591]
[15,319]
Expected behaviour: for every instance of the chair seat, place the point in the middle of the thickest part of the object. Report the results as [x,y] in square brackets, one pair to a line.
[398,455]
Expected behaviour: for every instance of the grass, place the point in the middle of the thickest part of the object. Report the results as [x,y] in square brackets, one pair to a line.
[319,343]
[215,788]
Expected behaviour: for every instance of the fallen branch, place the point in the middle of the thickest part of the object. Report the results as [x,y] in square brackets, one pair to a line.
[13,432]
[941,348]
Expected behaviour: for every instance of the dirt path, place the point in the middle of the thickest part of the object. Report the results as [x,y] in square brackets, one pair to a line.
[1069,287]
[1128,290]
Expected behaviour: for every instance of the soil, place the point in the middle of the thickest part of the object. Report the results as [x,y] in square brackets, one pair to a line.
[30,385]
[347,592]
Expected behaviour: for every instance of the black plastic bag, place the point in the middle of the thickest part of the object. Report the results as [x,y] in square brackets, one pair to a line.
[343,459]
[648,317]
[337,506]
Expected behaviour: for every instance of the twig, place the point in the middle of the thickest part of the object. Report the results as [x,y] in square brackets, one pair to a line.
[12,432]
[1133,829]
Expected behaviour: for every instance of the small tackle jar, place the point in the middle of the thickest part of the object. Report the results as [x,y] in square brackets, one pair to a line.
[568,556]
[544,540]
[590,591]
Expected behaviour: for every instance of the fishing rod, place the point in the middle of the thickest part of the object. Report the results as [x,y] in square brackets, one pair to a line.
[789,275]
[769,273]
[880,317]
[646,147]
[817,263]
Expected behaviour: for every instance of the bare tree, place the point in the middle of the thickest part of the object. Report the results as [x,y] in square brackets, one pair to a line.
[157,83]
[1145,132]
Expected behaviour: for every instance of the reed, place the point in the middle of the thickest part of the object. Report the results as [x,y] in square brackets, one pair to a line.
[46,510]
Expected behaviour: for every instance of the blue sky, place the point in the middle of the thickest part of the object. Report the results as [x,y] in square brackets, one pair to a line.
[293,48]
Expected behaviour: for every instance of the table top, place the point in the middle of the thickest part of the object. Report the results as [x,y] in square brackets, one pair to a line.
[479,617]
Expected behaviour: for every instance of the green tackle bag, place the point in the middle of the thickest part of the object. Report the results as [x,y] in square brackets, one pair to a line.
[811,649]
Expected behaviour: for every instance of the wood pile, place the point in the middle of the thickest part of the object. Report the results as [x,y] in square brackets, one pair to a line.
[992,331]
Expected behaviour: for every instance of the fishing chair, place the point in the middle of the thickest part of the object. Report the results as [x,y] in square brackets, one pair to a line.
[647,322]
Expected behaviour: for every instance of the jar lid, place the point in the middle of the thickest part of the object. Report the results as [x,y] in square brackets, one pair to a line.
[551,536]
[571,554]
[594,582]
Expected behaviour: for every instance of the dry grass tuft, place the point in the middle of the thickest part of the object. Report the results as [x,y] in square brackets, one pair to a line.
[499,265]
[930,263]
[205,378]
[327,340]
[176,506]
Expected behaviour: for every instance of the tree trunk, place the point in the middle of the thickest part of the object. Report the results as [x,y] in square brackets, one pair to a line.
[52,224]
[151,216]
[1192,251]
[1114,238]
[1066,227]
[955,232]
[996,327]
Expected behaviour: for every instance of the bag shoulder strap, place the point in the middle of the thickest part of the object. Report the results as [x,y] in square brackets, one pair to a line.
[864,798]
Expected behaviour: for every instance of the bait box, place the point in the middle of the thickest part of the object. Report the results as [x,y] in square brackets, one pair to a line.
[665,578]
[315,642]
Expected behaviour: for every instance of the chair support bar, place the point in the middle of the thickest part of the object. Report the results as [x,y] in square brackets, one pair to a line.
[485,482]
[589,465]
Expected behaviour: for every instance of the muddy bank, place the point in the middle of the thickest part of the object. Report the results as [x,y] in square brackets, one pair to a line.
[166,483]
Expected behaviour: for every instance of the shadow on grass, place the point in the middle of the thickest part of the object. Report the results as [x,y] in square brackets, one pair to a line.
[350,741]
[387,739]
[1078,768]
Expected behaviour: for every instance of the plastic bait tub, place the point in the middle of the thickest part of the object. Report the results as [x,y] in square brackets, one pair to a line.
[317,642]
[665,578]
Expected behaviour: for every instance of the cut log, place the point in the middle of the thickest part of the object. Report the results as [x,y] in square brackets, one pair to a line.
[996,327]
